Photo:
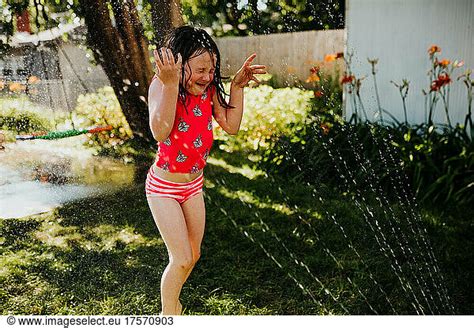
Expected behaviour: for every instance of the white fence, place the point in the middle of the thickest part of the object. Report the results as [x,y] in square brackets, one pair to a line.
[61,94]
[288,56]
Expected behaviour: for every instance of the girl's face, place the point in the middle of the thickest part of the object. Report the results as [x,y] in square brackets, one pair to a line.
[200,72]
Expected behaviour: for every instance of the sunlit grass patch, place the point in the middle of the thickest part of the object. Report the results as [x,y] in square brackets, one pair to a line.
[99,237]
[13,262]
[104,237]
[52,233]
[248,197]
[128,302]
[244,170]
[110,236]
[227,305]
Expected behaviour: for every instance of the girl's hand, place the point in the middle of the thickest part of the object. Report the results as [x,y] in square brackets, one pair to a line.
[246,73]
[168,70]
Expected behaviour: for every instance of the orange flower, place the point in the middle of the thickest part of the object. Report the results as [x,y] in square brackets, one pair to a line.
[434,49]
[313,78]
[347,79]
[318,93]
[444,63]
[315,69]
[33,79]
[330,57]
[443,79]
[17,87]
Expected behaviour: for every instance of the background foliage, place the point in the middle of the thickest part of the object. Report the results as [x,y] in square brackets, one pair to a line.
[264,17]
[18,115]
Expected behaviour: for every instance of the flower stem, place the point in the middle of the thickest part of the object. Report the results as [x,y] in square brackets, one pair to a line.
[443,96]
[377,95]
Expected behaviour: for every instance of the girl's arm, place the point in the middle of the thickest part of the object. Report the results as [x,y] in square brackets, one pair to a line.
[162,108]
[230,119]
[163,94]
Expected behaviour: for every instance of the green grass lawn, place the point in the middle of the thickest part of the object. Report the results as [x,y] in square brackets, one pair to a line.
[270,247]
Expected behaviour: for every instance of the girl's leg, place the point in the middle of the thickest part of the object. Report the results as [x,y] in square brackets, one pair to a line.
[171,223]
[194,211]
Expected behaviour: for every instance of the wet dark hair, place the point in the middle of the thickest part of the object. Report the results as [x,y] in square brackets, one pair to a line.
[191,42]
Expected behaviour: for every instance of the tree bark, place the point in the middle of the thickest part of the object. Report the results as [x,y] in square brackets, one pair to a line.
[117,40]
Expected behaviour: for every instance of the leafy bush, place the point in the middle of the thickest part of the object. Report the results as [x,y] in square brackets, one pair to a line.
[440,164]
[269,113]
[101,109]
[19,115]
[437,167]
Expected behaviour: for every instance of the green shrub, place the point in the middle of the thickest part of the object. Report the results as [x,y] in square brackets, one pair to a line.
[101,109]
[269,113]
[437,167]
[440,164]
[19,115]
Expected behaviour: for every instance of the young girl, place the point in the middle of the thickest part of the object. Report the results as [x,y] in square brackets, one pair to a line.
[184,95]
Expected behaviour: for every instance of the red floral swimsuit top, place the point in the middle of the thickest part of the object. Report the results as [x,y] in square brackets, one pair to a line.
[187,147]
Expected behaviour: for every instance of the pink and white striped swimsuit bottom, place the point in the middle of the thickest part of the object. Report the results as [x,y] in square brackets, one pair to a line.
[181,191]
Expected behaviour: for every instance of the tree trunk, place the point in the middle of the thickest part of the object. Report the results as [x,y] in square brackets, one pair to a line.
[119,46]
[165,15]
